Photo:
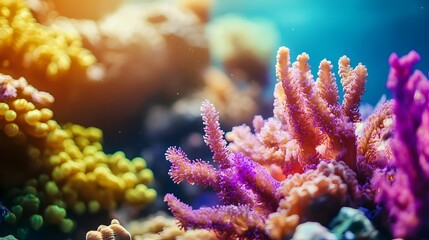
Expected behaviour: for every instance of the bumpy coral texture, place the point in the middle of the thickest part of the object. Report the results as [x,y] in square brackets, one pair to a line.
[330,185]
[405,190]
[115,231]
[162,227]
[137,48]
[48,169]
[307,154]
[40,52]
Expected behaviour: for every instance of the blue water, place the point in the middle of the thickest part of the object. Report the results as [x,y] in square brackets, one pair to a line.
[366,31]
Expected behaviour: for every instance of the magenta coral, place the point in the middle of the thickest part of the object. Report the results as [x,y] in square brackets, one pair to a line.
[308,152]
[405,193]
[243,186]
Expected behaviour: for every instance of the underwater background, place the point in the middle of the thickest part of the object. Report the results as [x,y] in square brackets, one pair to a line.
[105,105]
[365,31]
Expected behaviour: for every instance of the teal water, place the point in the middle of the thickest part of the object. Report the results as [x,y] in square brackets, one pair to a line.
[366,31]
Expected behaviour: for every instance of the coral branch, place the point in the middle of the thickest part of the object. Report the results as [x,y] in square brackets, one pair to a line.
[199,172]
[214,135]
[406,196]
[232,221]
[353,82]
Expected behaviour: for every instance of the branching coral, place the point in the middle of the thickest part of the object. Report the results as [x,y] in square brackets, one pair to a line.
[405,191]
[308,121]
[247,190]
[311,139]
[59,168]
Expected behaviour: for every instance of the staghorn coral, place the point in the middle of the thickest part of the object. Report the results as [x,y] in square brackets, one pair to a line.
[246,189]
[309,123]
[115,231]
[256,205]
[309,147]
[48,169]
[404,189]
[42,53]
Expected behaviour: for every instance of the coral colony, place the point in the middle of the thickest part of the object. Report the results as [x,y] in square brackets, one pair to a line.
[314,170]
[306,163]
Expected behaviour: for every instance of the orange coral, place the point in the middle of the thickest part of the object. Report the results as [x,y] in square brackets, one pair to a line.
[302,195]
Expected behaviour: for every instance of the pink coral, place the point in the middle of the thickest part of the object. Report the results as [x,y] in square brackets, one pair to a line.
[311,138]
[308,122]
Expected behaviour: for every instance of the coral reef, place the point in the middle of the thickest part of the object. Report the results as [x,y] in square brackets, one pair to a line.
[403,186]
[115,231]
[309,147]
[50,170]
[309,124]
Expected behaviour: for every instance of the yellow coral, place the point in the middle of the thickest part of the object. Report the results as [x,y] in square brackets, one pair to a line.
[86,173]
[136,47]
[74,172]
[36,50]
[24,120]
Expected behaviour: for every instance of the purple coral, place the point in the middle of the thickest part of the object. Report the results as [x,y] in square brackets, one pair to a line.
[245,188]
[406,192]
[311,139]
